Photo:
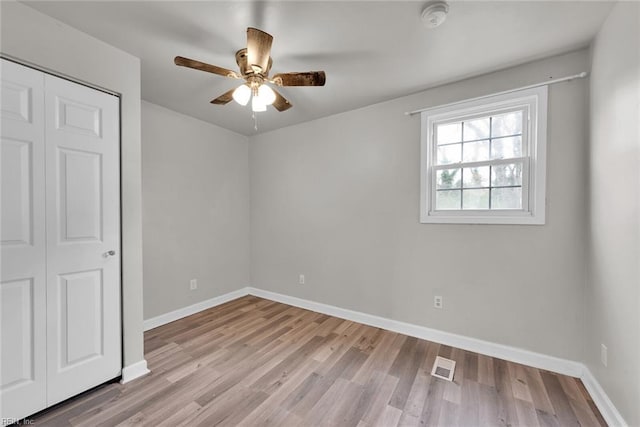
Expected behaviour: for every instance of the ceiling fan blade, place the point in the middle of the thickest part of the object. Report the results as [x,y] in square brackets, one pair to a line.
[311,78]
[225,98]
[258,50]
[281,103]
[192,63]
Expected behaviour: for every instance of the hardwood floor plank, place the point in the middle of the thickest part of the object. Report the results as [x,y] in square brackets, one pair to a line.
[450,414]
[527,416]
[390,417]
[324,406]
[485,370]
[431,409]
[471,366]
[506,403]
[407,369]
[489,409]
[324,382]
[559,400]
[546,419]
[254,363]
[380,387]
[538,392]
[176,418]
[386,349]
[348,408]
[470,404]
[417,395]
[60,415]
[453,389]
[519,385]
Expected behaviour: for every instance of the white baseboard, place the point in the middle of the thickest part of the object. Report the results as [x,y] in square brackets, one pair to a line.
[132,372]
[512,354]
[526,357]
[501,351]
[605,405]
[163,319]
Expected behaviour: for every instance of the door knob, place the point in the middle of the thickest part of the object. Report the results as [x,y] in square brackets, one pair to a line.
[109,253]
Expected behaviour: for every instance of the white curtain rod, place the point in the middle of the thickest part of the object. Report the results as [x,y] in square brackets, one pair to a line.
[548,82]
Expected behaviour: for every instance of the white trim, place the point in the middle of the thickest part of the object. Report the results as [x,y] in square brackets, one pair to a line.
[132,372]
[530,358]
[512,354]
[172,316]
[533,103]
[605,405]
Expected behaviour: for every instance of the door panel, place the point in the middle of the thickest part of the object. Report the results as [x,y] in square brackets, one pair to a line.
[17,192]
[74,116]
[83,225]
[17,95]
[17,329]
[79,194]
[22,243]
[79,306]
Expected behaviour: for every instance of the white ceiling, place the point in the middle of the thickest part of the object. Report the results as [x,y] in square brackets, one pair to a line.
[371,51]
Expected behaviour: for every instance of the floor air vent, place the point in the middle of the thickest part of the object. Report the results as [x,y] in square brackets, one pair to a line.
[443,368]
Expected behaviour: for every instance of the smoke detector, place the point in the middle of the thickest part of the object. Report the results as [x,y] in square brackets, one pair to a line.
[435,13]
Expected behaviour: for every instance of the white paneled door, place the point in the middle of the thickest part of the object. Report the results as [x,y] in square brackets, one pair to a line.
[22,242]
[60,241]
[83,238]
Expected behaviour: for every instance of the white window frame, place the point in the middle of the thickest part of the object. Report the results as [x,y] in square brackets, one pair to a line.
[534,103]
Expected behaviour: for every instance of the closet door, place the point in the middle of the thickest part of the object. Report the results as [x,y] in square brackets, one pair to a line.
[83,238]
[22,240]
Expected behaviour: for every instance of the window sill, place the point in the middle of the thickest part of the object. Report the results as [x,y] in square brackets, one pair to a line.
[520,218]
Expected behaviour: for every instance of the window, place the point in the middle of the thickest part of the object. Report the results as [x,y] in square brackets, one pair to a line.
[483,160]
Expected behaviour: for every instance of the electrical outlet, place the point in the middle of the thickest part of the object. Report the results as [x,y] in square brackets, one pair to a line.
[437,302]
[301,279]
[603,354]
[193,284]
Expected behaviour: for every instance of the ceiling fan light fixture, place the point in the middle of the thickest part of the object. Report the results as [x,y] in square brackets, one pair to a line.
[257,104]
[435,13]
[242,94]
[266,94]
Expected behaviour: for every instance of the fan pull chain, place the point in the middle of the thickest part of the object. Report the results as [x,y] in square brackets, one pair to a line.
[255,121]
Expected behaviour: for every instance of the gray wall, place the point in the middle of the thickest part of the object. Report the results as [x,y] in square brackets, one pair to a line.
[37,39]
[195,209]
[613,287]
[338,200]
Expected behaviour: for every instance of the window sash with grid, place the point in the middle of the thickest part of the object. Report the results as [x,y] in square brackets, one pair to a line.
[523,161]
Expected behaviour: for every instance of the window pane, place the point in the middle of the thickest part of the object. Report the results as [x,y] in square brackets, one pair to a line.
[506,148]
[448,199]
[449,133]
[506,198]
[507,124]
[475,199]
[475,177]
[449,154]
[504,175]
[476,151]
[476,129]
[448,178]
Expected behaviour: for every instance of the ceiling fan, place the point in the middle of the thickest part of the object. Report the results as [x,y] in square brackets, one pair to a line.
[255,63]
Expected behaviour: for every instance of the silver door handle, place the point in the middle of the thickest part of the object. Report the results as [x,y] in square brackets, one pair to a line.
[109,253]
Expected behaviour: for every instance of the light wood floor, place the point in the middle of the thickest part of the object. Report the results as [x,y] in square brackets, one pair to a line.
[254,362]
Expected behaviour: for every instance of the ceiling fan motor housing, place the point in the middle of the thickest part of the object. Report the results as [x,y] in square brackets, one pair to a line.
[245,70]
